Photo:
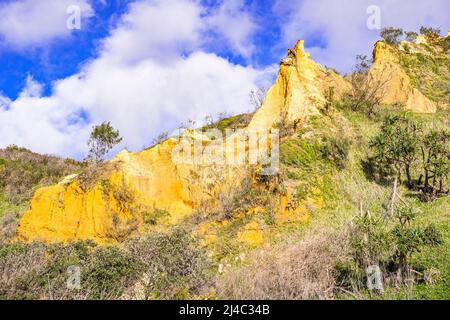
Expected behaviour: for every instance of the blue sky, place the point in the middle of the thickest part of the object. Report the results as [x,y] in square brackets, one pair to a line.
[147,65]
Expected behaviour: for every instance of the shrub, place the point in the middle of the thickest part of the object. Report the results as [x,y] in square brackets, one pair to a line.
[154,216]
[303,270]
[435,150]
[103,138]
[388,242]
[397,145]
[8,225]
[21,171]
[336,149]
[432,34]
[175,266]
[367,92]
[411,36]
[391,35]
[39,271]
[445,43]
[330,100]
[19,265]
[109,271]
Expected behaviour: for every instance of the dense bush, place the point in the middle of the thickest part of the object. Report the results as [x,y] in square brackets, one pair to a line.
[109,271]
[367,92]
[336,149]
[432,34]
[389,242]
[175,266]
[402,145]
[303,270]
[155,216]
[22,170]
[166,266]
[39,271]
[391,35]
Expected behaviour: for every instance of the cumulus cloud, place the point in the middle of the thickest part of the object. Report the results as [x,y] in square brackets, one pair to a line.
[40,124]
[157,29]
[341,25]
[235,25]
[151,74]
[5,102]
[32,88]
[29,23]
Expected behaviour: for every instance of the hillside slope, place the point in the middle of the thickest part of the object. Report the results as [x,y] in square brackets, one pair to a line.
[110,204]
[169,229]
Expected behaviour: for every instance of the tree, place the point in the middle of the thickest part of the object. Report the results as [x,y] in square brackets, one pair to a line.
[103,138]
[432,34]
[397,145]
[411,36]
[390,241]
[408,239]
[391,35]
[163,136]
[435,150]
[367,92]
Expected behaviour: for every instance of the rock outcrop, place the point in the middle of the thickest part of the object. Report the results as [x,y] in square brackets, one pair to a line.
[131,185]
[397,88]
[298,91]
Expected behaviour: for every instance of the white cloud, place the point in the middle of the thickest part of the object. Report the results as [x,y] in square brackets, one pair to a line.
[157,29]
[235,25]
[5,102]
[32,88]
[28,23]
[150,75]
[41,125]
[342,24]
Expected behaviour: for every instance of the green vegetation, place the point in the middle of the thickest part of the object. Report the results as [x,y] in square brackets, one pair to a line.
[372,185]
[176,267]
[427,64]
[232,123]
[432,34]
[23,171]
[366,93]
[398,148]
[387,241]
[323,258]
[103,138]
[159,266]
[391,35]
[429,73]
[154,216]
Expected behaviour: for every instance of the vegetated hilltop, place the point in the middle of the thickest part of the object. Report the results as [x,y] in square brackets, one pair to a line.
[362,181]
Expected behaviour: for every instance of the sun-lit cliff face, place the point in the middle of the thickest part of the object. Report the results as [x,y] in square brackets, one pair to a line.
[130,186]
[415,75]
[137,182]
[298,91]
